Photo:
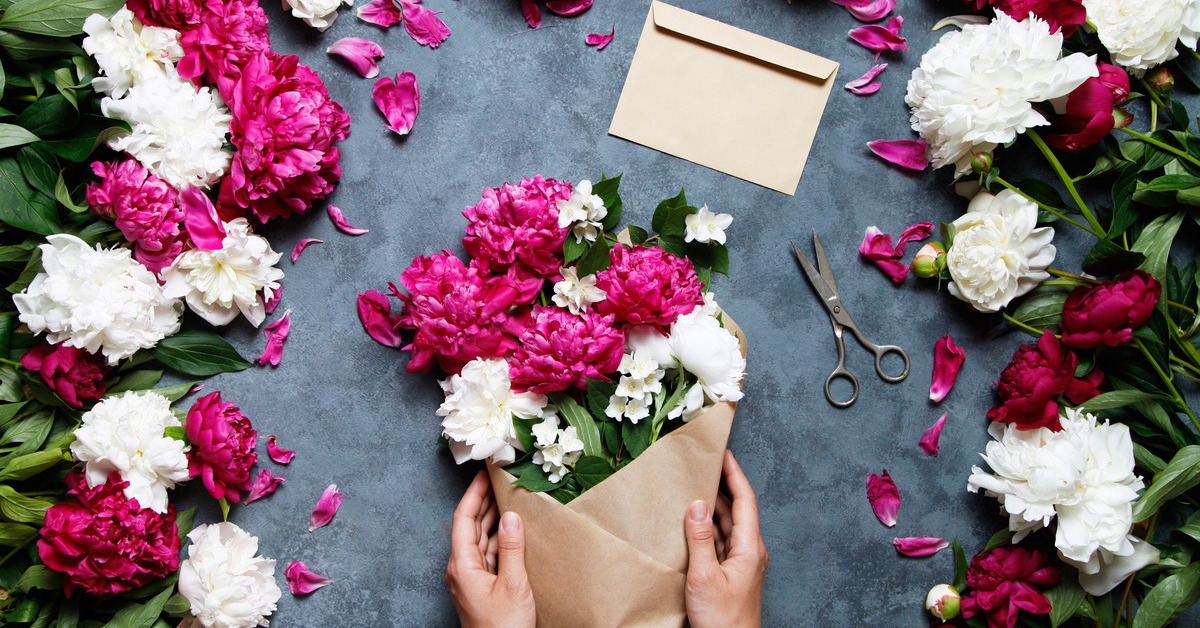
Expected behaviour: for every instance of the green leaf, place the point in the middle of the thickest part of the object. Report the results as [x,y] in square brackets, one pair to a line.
[25,47]
[583,423]
[596,259]
[15,534]
[598,394]
[1065,599]
[177,606]
[141,615]
[960,567]
[660,212]
[1147,460]
[672,244]
[1180,474]
[1190,196]
[606,189]
[199,353]
[183,521]
[1117,399]
[999,539]
[948,231]
[32,267]
[39,167]
[1104,163]
[13,135]
[176,432]
[1124,214]
[22,206]
[1169,598]
[675,223]
[1171,183]
[1155,244]
[1191,527]
[637,235]
[567,491]
[29,465]
[592,470]
[68,614]
[51,115]
[610,435]
[56,18]
[91,131]
[1043,308]
[637,438]
[1109,258]
[63,195]
[536,480]
[39,577]
[135,380]
[1042,192]
[21,509]
[573,249]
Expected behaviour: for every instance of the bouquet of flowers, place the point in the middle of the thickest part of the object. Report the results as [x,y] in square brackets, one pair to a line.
[595,374]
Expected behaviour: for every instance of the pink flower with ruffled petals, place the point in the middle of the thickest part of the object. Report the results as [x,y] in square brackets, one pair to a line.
[533,14]
[180,15]
[559,350]
[229,34]
[73,373]
[284,127]
[648,286]
[222,446]
[517,226]
[1065,15]
[144,207]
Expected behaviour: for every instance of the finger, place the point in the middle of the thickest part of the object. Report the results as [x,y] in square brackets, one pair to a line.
[510,550]
[486,525]
[745,535]
[490,553]
[702,553]
[464,531]
[723,519]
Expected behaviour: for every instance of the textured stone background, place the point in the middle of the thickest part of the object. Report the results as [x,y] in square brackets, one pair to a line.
[501,101]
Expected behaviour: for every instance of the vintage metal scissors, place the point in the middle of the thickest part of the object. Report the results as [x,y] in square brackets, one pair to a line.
[823,282]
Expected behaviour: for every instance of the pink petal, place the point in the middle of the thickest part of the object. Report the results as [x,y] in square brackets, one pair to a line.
[375,312]
[301,245]
[532,13]
[200,219]
[600,41]
[905,153]
[270,304]
[929,440]
[880,38]
[884,496]
[399,99]
[424,25]
[569,7]
[948,358]
[339,221]
[867,10]
[264,485]
[877,247]
[277,453]
[917,546]
[326,508]
[361,53]
[863,85]
[276,333]
[915,233]
[301,581]
[383,13]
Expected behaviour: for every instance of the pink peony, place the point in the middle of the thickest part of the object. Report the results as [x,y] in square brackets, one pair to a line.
[1064,15]
[222,446]
[229,34]
[145,208]
[559,350]
[106,543]
[648,286]
[284,127]
[514,230]
[459,312]
[1007,580]
[180,15]
[1031,383]
[73,373]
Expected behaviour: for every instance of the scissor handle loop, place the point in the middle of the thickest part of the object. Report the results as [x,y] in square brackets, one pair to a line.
[882,350]
[844,374]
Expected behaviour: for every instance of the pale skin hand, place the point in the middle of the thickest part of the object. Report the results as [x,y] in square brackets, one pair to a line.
[486,573]
[726,563]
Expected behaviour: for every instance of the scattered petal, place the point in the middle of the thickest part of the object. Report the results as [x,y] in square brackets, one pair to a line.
[301,245]
[383,13]
[867,10]
[375,312]
[569,7]
[929,440]
[885,498]
[905,153]
[339,221]
[361,53]
[600,41]
[264,485]
[960,21]
[276,333]
[301,581]
[399,99]
[948,358]
[877,247]
[200,219]
[326,508]
[880,38]
[270,304]
[863,85]
[533,14]
[277,453]
[917,546]
[424,25]
[915,233]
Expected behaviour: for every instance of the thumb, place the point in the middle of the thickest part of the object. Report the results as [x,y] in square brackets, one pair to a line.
[510,544]
[702,552]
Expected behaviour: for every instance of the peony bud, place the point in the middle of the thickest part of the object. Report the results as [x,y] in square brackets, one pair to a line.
[1162,79]
[1116,79]
[930,260]
[1121,118]
[943,602]
[981,162]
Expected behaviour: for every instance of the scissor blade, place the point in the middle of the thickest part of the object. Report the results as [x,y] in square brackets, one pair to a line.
[823,263]
[814,277]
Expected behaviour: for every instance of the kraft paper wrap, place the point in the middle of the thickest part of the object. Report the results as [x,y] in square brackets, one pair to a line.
[616,555]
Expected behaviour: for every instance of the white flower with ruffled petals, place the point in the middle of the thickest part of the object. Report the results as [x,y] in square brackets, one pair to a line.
[479,409]
[128,52]
[319,14]
[708,351]
[583,212]
[705,226]
[576,293]
[225,581]
[1142,34]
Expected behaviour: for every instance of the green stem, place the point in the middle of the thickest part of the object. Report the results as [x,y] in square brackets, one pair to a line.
[1182,307]
[16,549]
[1169,381]
[10,362]
[1060,215]
[1155,97]
[1080,278]
[1186,364]
[1033,331]
[1062,175]
[1153,116]
[1162,145]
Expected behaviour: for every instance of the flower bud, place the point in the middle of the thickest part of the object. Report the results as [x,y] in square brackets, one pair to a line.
[930,260]
[981,162]
[1116,79]
[1121,118]
[943,602]
[1162,79]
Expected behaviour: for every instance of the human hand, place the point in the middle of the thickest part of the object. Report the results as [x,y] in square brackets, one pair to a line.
[486,573]
[726,564]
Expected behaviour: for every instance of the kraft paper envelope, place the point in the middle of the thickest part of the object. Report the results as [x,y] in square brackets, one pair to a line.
[723,97]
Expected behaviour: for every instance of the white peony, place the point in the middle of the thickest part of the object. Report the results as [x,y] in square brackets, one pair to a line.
[1083,474]
[240,277]
[319,14]
[557,450]
[126,434]
[575,293]
[708,351]
[100,300]
[1141,34]
[226,583]
[705,226]
[178,130]
[128,52]
[973,90]
[479,410]
[583,212]
[998,252]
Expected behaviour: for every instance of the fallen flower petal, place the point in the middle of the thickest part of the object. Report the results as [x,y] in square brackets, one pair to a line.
[532,13]
[200,219]
[877,247]
[569,7]
[424,25]
[916,232]
[863,86]
[361,53]
[918,546]
[880,38]
[276,333]
[383,13]
[326,508]
[948,358]
[277,453]
[867,10]
[399,99]
[885,498]
[600,41]
[302,581]
[929,440]
[270,304]
[905,153]
[375,312]
[339,221]
[264,485]
[301,245]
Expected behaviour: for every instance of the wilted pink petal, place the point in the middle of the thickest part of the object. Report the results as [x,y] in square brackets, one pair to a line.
[399,99]
[532,13]
[877,247]
[884,496]
[880,38]
[906,153]
[277,453]
[915,233]
[383,13]
[867,10]
[301,245]
[361,53]
[948,358]
[326,508]
[600,41]
[264,485]
[301,581]
[339,221]
[375,312]
[863,85]
[569,7]
[200,219]
[424,25]
[269,305]
[929,440]
[276,333]
[917,546]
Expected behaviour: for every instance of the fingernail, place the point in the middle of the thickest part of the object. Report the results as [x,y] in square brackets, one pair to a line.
[698,512]
[510,522]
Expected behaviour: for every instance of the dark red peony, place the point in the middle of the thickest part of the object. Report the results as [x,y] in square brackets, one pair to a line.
[222,446]
[1037,374]
[180,15]
[648,286]
[1106,314]
[1064,15]
[1005,581]
[1091,110]
[73,373]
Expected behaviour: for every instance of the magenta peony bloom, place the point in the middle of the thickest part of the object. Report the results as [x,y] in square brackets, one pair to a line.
[144,207]
[181,15]
[1107,313]
[459,312]
[73,373]
[284,127]
[229,34]
[559,350]
[648,286]
[222,446]
[517,225]
[1064,15]
[106,543]
[1005,581]
[1037,374]
[1091,110]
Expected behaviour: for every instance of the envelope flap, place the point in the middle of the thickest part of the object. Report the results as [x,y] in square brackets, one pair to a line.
[725,36]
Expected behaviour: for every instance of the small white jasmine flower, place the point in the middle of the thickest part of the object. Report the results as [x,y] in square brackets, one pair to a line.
[575,293]
[705,226]
[584,210]
[479,410]
[638,408]
[546,431]
[641,374]
[562,451]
